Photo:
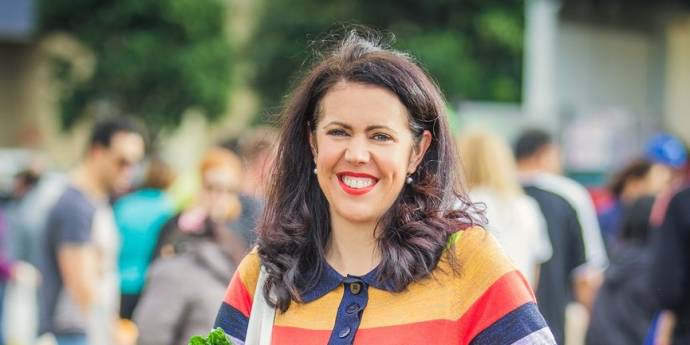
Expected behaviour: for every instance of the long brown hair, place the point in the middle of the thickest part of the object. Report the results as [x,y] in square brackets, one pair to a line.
[295,226]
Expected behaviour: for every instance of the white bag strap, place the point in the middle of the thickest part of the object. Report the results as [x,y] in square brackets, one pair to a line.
[260,328]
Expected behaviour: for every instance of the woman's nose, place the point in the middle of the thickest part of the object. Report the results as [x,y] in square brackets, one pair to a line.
[357,152]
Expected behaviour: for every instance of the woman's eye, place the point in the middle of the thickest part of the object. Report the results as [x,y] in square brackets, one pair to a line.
[382,137]
[336,132]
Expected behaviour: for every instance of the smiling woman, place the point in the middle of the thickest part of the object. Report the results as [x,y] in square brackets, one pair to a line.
[362,238]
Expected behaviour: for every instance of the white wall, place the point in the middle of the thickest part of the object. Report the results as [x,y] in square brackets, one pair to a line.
[677,75]
[602,67]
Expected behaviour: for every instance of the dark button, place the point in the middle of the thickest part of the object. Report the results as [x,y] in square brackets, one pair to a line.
[356,288]
[344,332]
[352,308]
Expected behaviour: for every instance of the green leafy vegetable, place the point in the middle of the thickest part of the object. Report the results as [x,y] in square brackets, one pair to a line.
[216,337]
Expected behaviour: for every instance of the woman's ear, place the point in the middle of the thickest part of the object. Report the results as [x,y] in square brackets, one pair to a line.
[419,151]
[312,144]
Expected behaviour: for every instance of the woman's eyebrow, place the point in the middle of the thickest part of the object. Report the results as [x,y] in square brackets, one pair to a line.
[368,129]
[338,123]
[374,127]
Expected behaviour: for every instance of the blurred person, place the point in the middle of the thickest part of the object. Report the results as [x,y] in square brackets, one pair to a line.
[670,155]
[256,150]
[28,213]
[638,178]
[624,307]
[80,294]
[17,262]
[537,159]
[23,182]
[670,267]
[216,206]
[140,216]
[513,217]
[361,229]
[6,270]
[669,152]
[198,255]
[22,275]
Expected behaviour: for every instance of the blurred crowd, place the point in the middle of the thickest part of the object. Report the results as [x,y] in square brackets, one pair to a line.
[120,249]
[103,255]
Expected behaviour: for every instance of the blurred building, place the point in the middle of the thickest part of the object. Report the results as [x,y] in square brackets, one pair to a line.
[17,26]
[29,93]
[613,71]
[604,74]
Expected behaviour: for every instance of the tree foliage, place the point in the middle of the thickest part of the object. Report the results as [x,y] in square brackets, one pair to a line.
[154,58]
[472,47]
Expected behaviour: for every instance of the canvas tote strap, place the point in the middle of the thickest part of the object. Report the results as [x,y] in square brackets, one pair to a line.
[261,318]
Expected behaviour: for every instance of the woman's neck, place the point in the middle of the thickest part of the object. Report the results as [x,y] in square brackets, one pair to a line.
[352,248]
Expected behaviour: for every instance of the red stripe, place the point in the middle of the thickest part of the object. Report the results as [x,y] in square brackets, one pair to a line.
[299,336]
[427,332]
[237,295]
[506,294]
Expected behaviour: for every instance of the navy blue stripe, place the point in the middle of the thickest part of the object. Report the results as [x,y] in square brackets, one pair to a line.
[232,321]
[514,326]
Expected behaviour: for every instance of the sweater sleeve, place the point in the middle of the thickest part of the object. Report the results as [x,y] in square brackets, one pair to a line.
[233,316]
[505,312]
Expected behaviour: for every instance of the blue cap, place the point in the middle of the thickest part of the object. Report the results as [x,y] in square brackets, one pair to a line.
[666,149]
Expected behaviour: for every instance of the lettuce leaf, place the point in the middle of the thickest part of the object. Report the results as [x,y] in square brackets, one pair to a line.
[216,337]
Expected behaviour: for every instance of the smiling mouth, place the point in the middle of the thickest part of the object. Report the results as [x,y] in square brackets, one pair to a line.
[356,184]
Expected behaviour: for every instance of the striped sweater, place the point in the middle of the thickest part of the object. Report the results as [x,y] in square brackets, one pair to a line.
[487,302]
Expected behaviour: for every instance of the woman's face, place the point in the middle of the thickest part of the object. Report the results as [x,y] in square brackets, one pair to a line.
[363,150]
[219,191]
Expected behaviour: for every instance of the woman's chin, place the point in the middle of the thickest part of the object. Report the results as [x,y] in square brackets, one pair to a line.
[359,214]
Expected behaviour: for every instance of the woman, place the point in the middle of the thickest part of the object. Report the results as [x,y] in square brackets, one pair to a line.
[360,238]
[513,217]
[638,178]
[175,306]
[216,206]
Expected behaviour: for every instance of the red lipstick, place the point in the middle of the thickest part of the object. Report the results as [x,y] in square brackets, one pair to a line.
[355,191]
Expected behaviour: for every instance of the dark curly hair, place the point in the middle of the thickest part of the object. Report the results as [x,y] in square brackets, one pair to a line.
[295,227]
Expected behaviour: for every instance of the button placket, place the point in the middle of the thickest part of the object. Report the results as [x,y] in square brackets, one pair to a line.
[349,314]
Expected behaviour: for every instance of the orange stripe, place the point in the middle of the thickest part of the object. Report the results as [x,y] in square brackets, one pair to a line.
[507,294]
[445,295]
[482,263]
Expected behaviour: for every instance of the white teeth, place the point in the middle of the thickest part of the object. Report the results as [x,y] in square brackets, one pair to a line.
[358,182]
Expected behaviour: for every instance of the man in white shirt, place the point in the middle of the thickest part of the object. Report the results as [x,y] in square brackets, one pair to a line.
[539,168]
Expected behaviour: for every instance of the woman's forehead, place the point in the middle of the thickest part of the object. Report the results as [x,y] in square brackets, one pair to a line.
[357,104]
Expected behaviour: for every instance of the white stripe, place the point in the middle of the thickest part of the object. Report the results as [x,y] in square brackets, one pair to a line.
[540,337]
[579,199]
[234,340]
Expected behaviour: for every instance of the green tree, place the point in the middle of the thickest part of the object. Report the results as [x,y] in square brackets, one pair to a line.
[154,58]
[472,47]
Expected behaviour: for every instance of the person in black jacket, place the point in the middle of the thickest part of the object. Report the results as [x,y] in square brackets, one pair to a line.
[624,308]
[670,268]
[555,288]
